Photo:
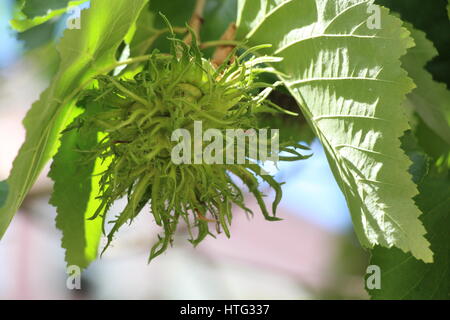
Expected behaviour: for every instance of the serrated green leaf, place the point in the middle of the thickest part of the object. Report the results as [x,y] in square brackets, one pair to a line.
[348,80]
[431,100]
[403,276]
[84,53]
[75,173]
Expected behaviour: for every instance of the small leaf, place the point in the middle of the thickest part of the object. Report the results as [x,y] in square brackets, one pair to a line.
[74,171]
[431,100]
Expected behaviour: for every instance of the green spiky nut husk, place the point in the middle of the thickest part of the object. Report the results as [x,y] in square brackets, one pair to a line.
[137,118]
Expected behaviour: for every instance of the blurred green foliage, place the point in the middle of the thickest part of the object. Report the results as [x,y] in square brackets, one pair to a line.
[429,16]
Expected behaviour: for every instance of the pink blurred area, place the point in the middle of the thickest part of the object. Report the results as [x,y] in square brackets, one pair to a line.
[287,259]
[293,247]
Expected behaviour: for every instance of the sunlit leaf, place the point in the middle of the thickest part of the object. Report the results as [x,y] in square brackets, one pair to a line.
[76,175]
[431,100]
[85,53]
[403,276]
[347,77]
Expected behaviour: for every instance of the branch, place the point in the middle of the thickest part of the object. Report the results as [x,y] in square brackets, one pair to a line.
[196,21]
[223,51]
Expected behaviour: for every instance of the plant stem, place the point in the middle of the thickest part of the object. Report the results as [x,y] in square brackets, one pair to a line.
[129,61]
[217,43]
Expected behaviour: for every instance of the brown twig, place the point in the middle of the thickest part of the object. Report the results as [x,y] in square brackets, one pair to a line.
[196,21]
[223,51]
[202,217]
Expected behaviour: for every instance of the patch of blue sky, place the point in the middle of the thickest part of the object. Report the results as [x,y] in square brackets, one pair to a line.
[312,192]
[9,46]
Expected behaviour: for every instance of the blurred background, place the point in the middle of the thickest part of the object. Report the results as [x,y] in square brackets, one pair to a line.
[312,253]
